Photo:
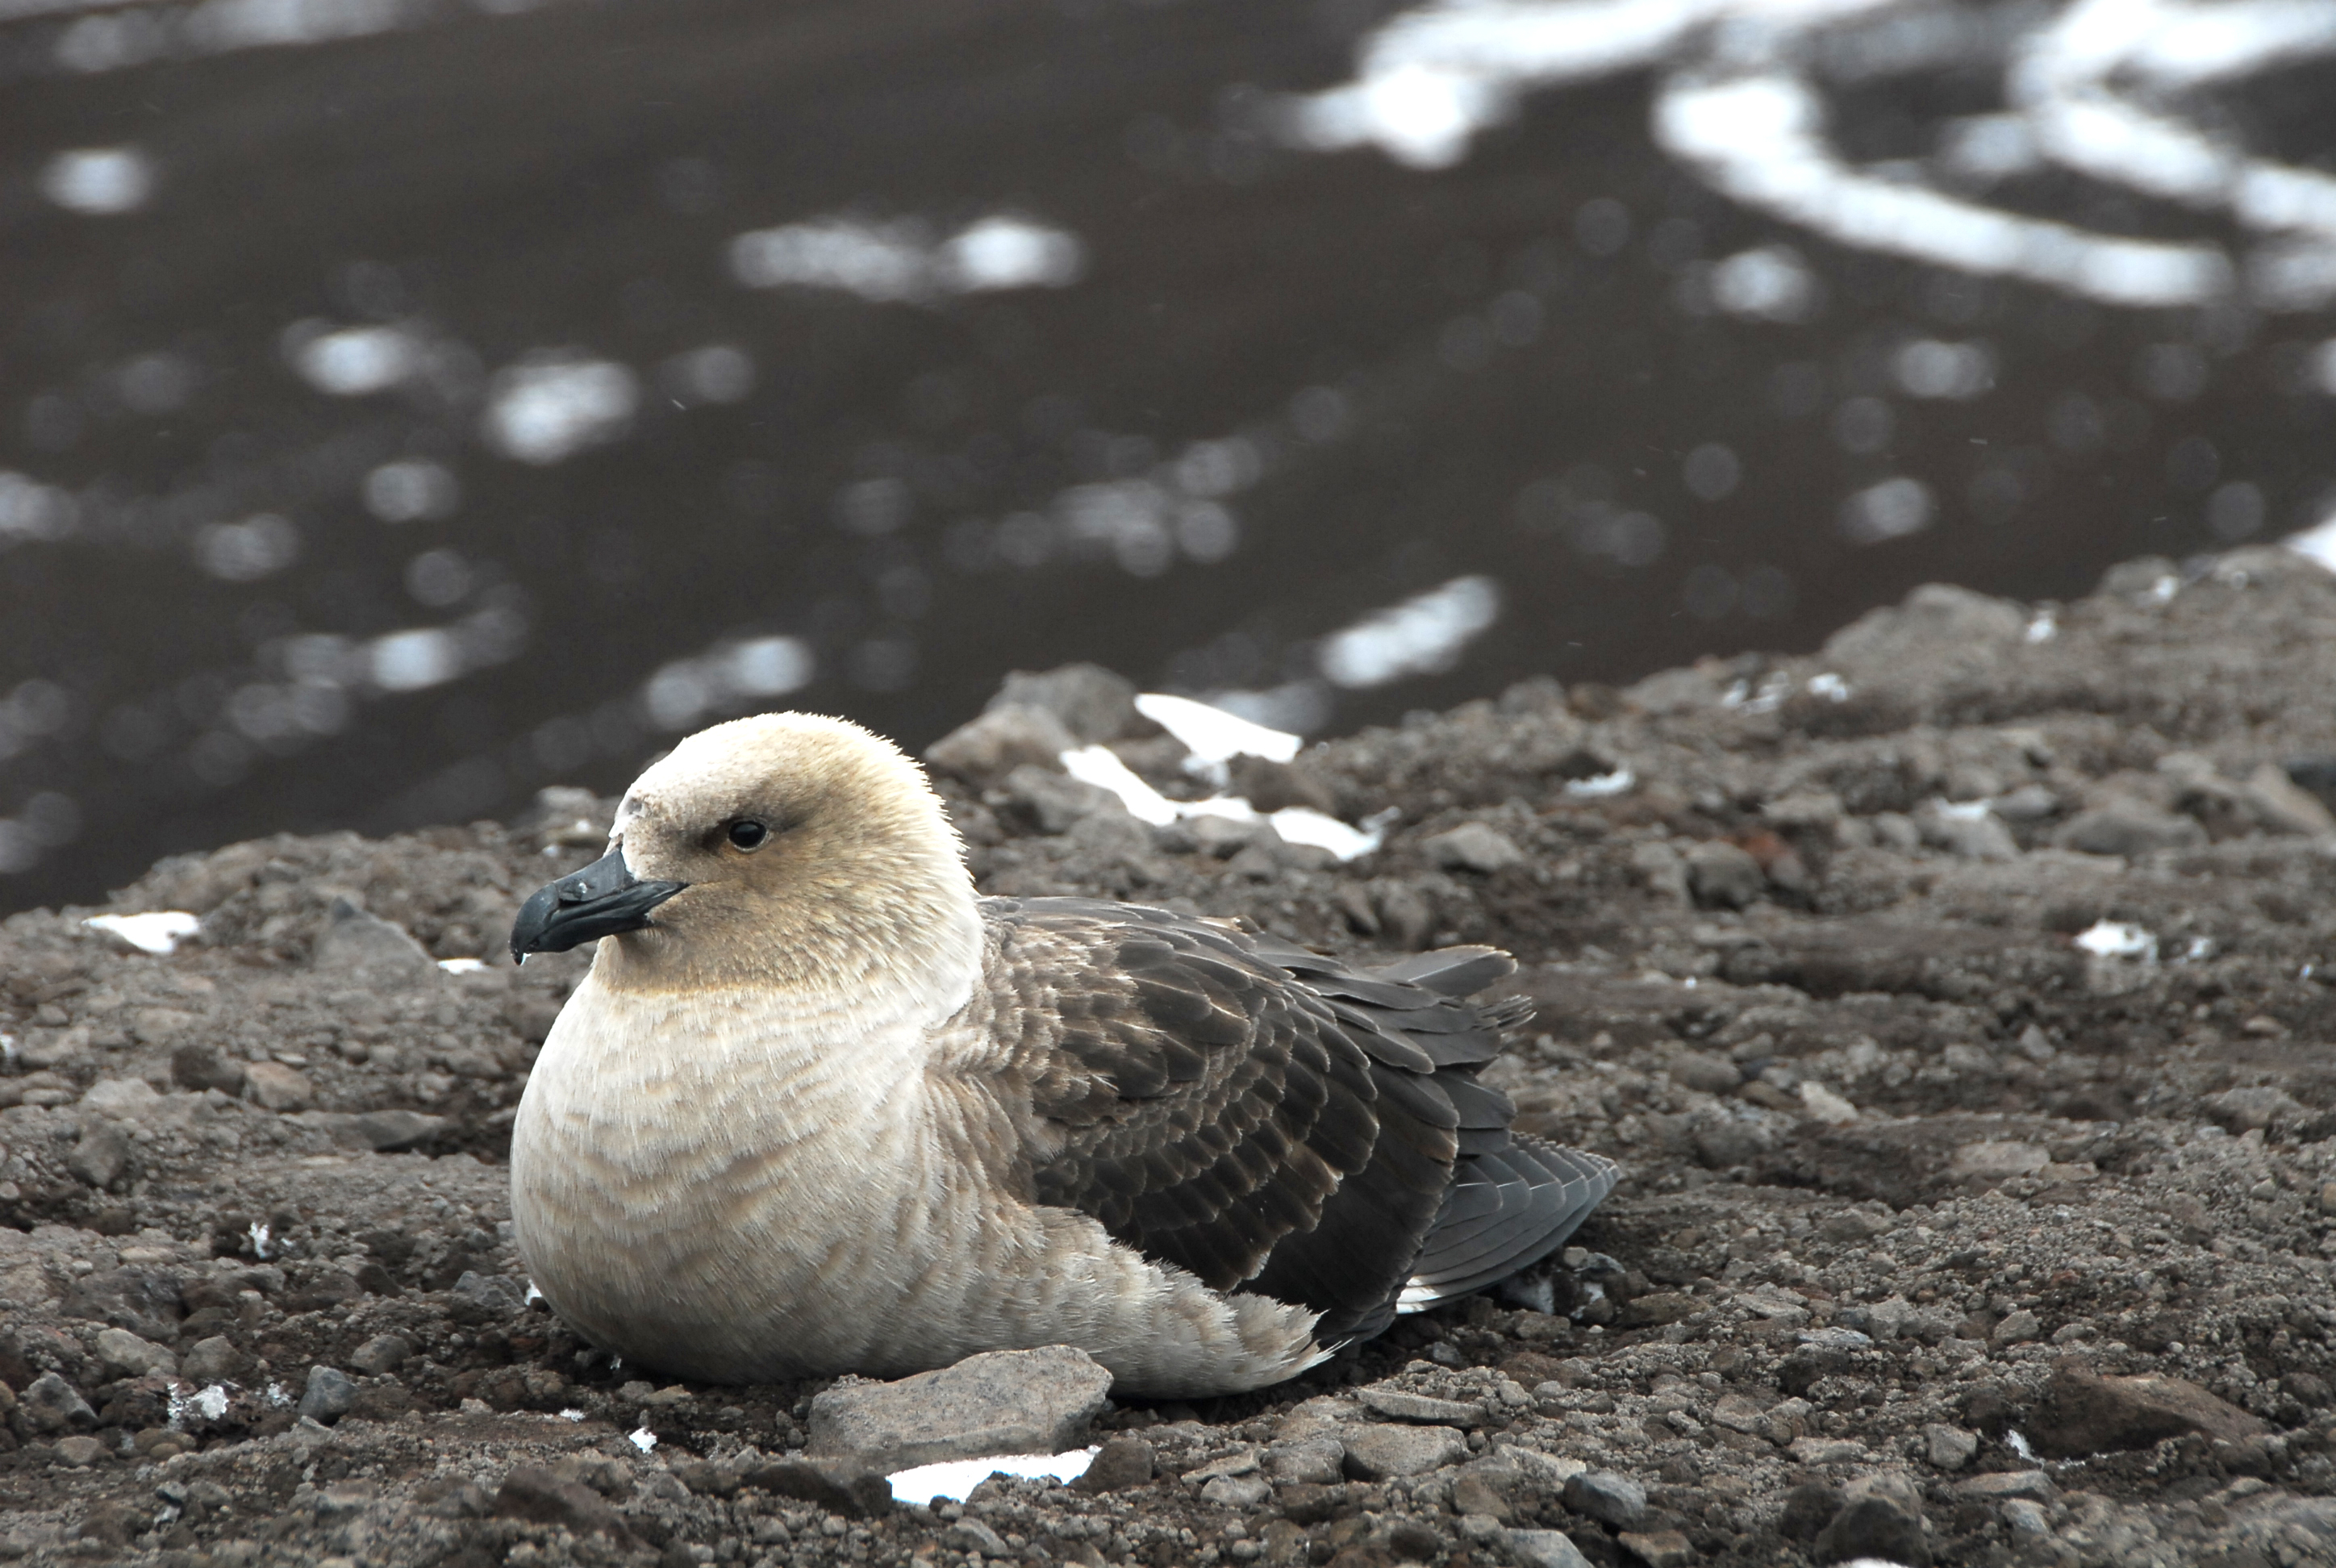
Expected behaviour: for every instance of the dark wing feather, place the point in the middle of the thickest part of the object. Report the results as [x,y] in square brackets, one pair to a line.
[1265,1117]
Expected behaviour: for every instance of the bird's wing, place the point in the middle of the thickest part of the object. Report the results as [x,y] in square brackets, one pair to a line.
[1262,1116]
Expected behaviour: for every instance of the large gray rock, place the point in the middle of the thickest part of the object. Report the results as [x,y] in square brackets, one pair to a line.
[2128,827]
[1723,876]
[1001,1402]
[101,1157]
[369,949]
[986,749]
[1087,699]
[1376,1452]
[50,1404]
[125,1352]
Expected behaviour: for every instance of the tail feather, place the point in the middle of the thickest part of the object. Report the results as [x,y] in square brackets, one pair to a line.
[1508,1212]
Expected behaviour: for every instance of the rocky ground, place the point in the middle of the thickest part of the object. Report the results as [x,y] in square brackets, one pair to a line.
[1957,998]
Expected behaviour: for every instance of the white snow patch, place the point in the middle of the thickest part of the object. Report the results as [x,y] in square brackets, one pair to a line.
[158,931]
[1101,767]
[571,1415]
[1830,686]
[461,965]
[1213,735]
[642,1437]
[2016,1440]
[2119,939]
[953,1479]
[2317,543]
[1601,785]
[2043,629]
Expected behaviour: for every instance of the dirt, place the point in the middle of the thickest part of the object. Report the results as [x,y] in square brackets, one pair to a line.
[1982,1158]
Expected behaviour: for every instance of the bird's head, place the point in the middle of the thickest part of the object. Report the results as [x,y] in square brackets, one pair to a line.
[787,850]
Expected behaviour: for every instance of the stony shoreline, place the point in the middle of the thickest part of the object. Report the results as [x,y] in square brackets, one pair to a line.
[1957,997]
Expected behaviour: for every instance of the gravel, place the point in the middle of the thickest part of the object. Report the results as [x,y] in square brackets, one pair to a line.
[1957,997]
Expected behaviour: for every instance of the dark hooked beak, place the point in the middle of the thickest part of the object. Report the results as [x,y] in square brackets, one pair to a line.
[601,901]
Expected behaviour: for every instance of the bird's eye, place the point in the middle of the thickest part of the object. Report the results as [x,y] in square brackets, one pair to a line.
[746,834]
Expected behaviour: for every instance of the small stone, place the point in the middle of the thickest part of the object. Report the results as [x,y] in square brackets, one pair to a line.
[1473,847]
[1237,1491]
[1121,1463]
[78,1453]
[1400,1405]
[1611,1499]
[213,1361]
[1321,1461]
[985,750]
[486,1297]
[2083,1413]
[380,1355]
[1543,1549]
[1477,1494]
[394,1132]
[1056,803]
[2245,1110]
[1658,1548]
[2128,828]
[1723,876]
[1997,1160]
[126,1353]
[2027,1521]
[973,1535]
[329,1394]
[1809,1507]
[198,1066]
[2034,1484]
[1823,1105]
[277,1088]
[1873,1527]
[846,1487]
[2017,1328]
[1376,1452]
[1095,704]
[50,1404]
[1705,1073]
[1972,838]
[370,950]
[1949,1447]
[123,1099]
[999,1402]
[533,1493]
[101,1158]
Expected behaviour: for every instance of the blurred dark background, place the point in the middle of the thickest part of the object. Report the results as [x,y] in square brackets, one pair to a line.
[408,403]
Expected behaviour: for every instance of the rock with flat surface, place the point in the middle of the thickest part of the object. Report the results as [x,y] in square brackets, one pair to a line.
[1473,847]
[536,1494]
[1871,1527]
[1121,1463]
[848,1486]
[2084,1413]
[1376,1452]
[1611,1499]
[278,1087]
[1001,1402]
[985,750]
[1400,1405]
[1542,1549]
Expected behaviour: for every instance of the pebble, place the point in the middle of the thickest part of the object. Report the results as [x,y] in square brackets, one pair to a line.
[1877,1527]
[1543,1549]
[1723,876]
[50,1404]
[1010,736]
[329,1394]
[369,949]
[1401,1405]
[1949,1447]
[1663,1548]
[1319,1460]
[79,1452]
[274,1087]
[1000,1402]
[1237,1491]
[383,1353]
[1473,847]
[212,1360]
[533,1493]
[1611,1499]
[126,1352]
[1121,1463]
[101,1156]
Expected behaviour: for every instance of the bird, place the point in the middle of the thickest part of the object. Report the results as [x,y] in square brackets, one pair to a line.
[818,1107]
